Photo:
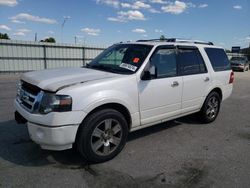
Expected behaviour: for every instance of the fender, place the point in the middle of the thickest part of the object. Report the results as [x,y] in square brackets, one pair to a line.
[125,101]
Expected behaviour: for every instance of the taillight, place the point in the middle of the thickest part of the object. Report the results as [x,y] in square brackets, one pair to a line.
[231,80]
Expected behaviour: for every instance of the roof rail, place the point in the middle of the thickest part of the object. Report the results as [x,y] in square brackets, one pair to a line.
[151,40]
[176,40]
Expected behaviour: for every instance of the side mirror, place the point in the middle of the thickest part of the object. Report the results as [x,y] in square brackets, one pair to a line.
[149,74]
[146,75]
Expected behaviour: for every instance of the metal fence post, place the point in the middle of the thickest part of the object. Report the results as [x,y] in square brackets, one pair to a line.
[44,57]
[83,56]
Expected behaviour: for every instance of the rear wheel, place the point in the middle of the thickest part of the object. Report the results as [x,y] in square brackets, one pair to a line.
[102,135]
[210,108]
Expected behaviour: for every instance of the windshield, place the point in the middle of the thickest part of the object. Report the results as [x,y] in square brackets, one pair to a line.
[121,58]
[238,58]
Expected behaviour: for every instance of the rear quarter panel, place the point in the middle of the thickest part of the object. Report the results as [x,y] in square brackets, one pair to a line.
[219,79]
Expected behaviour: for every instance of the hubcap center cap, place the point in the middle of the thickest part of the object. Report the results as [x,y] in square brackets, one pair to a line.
[107,136]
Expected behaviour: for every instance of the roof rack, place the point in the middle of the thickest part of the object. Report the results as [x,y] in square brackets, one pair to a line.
[176,40]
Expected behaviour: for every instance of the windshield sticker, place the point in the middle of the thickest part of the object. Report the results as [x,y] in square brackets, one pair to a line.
[136,60]
[128,66]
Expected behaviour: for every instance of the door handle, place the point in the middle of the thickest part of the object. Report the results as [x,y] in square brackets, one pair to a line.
[174,84]
[206,79]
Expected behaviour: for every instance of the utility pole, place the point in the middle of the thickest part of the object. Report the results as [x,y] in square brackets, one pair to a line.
[65,18]
[75,39]
[35,37]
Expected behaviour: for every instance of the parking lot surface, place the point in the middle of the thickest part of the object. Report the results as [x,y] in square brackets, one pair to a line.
[179,153]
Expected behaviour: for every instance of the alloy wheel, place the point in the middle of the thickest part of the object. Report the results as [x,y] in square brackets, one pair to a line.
[212,107]
[106,137]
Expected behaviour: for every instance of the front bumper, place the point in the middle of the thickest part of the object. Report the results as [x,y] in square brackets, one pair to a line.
[52,131]
[53,138]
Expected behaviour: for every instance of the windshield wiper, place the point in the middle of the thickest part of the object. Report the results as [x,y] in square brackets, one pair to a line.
[102,67]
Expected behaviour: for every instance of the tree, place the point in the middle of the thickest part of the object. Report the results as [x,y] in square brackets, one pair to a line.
[162,37]
[50,39]
[4,36]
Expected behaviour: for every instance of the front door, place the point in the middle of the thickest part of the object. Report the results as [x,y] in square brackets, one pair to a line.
[160,96]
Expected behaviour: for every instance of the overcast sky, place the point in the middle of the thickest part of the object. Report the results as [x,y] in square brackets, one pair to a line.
[103,22]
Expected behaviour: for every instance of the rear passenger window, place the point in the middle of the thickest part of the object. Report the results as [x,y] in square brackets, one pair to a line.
[218,59]
[191,61]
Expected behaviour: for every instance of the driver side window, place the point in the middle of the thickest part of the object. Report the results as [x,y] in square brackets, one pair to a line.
[164,61]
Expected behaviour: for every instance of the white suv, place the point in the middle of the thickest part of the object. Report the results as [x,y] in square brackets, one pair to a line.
[129,86]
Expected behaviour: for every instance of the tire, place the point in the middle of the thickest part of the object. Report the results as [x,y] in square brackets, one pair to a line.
[210,108]
[102,135]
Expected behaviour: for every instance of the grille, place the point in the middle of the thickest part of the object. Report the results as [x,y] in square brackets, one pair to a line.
[29,96]
[34,90]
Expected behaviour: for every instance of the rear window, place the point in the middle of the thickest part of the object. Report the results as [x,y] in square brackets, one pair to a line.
[218,59]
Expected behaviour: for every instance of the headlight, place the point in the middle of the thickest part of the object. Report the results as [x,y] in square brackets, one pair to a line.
[55,103]
[19,87]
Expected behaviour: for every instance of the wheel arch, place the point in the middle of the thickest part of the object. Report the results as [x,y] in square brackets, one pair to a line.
[116,106]
[217,90]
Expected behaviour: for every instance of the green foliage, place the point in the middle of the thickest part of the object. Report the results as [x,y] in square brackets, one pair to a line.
[4,36]
[162,37]
[50,39]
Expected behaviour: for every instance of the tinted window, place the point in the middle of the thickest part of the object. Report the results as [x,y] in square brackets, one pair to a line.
[191,61]
[218,59]
[164,61]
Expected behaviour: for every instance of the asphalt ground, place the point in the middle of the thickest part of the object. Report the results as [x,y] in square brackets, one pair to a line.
[179,153]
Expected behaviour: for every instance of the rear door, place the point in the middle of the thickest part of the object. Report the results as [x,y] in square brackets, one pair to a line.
[196,79]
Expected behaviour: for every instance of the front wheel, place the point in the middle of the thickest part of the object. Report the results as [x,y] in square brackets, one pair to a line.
[102,135]
[210,108]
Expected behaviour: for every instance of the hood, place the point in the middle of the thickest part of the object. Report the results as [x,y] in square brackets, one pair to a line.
[56,79]
[238,61]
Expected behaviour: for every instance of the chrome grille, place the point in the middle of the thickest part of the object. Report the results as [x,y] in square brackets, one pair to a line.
[29,96]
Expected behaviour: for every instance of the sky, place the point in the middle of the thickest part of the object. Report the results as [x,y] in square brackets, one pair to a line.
[104,22]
